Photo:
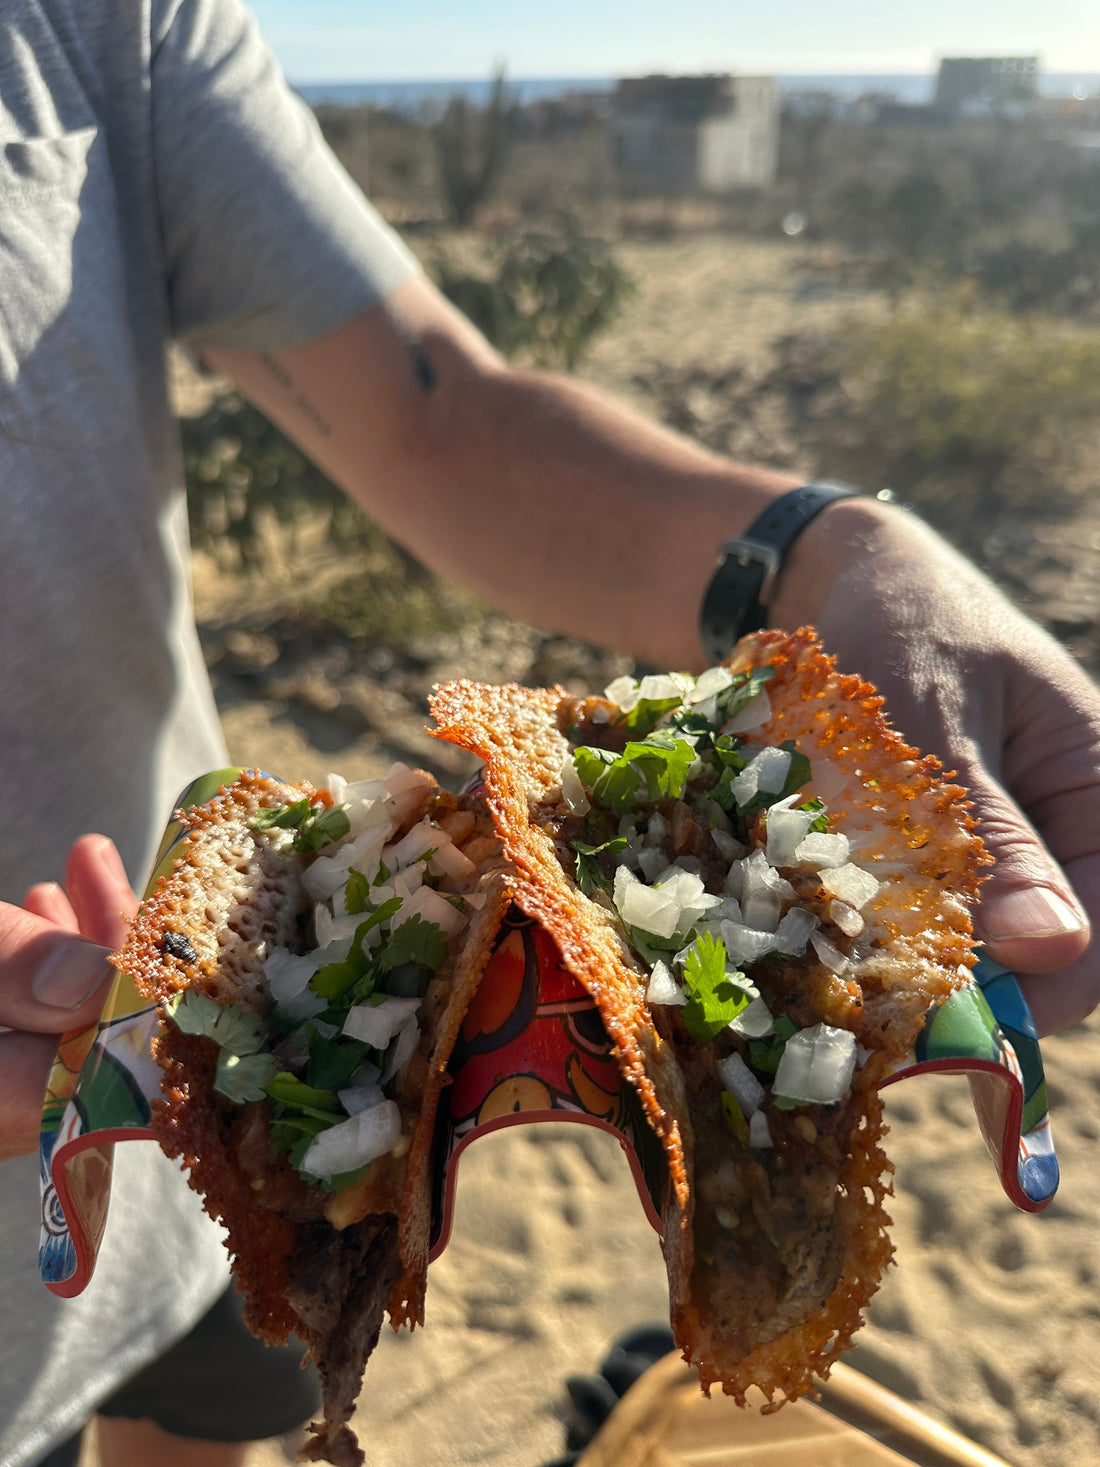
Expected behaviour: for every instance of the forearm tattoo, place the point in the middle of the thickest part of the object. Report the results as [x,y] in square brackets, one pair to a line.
[279,373]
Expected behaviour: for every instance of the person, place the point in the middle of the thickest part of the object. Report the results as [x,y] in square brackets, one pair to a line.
[160,181]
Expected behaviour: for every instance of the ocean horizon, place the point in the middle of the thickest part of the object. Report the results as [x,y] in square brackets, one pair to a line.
[411,96]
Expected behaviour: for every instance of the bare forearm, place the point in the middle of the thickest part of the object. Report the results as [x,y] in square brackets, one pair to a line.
[545,497]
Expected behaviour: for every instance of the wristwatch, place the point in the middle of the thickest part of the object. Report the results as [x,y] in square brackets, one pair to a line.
[740,590]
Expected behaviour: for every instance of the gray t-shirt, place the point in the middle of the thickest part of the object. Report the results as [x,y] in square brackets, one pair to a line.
[157,180]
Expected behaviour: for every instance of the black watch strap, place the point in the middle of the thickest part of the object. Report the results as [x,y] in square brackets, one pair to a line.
[737,598]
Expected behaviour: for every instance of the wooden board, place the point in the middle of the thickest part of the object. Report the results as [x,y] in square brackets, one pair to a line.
[664,1420]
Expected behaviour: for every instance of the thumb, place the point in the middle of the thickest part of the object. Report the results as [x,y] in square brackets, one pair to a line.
[1028,917]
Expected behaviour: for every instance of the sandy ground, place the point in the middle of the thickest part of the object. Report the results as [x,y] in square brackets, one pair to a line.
[989,1319]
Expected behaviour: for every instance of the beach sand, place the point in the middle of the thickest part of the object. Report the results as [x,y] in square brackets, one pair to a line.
[989,1319]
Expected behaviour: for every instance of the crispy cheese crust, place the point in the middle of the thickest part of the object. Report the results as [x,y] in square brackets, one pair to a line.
[323,1265]
[914,832]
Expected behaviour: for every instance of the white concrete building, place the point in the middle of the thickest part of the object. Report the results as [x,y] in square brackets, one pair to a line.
[678,134]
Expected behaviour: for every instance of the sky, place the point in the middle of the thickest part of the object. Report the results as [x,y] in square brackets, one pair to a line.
[367,40]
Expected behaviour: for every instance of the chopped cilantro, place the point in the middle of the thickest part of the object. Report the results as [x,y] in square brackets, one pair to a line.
[590,877]
[228,1025]
[659,762]
[820,822]
[288,1090]
[314,826]
[336,980]
[321,828]
[713,998]
[333,1062]
[291,1136]
[357,893]
[244,1077]
[764,1054]
[280,817]
[685,720]
[647,713]
[740,693]
[784,1102]
[415,941]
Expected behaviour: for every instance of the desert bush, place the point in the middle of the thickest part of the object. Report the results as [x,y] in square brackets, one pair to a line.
[967,411]
[472,146]
[544,295]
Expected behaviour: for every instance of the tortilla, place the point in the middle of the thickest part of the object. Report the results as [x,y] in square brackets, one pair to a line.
[322,1255]
[775,1229]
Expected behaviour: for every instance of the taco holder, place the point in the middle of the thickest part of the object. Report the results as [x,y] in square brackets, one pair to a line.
[531,1048]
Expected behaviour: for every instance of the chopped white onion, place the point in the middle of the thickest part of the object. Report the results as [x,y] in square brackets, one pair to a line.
[450,861]
[760,1136]
[742,1084]
[823,850]
[376,1024]
[765,773]
[423,837]
[787,830]
[728,847]
[322,877]
[816,1065]
[306,1005]
[845,917]
[352,1143]
[360,1097]
[745,944]
[763,891]
[794,931]
[651,862]
[707,684]
[623,691]
[851,884]
[573,792]
[475,899]
[755,714]
[286,974]
[402,1049]
[656,829]
[657,687]
[754,1021]
[663,987]
[432,907]
[829,953]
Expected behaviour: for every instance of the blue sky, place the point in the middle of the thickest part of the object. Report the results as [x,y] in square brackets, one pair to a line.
[355,40]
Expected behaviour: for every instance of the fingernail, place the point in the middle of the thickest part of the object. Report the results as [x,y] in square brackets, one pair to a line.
[70,972]
[1034,912]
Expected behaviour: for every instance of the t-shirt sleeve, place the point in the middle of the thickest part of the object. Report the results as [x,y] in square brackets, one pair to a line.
[267,241]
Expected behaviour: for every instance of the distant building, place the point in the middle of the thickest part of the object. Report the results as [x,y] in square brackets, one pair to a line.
[984,86]
[675,134]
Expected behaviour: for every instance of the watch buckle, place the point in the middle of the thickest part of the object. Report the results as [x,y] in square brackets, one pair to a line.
[747,552]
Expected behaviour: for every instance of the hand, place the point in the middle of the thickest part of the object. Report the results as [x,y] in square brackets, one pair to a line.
[53,976]
[970,679]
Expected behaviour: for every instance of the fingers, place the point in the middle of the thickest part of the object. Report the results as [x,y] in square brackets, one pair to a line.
[99,890]
[48,900]
[50,979]
[25,1061]
[1029,917]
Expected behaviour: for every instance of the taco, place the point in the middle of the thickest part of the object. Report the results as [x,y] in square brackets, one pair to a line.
[764,889]
[312,954]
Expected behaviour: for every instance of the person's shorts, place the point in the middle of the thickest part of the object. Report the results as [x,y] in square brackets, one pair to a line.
[219,1383]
